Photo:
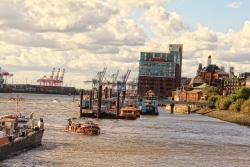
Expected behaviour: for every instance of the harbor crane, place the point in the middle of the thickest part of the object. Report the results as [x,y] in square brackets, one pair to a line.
[121,85]
[4,74]
[98,79]
[52,80]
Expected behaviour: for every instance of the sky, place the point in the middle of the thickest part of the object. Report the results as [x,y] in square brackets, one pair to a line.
[85,36]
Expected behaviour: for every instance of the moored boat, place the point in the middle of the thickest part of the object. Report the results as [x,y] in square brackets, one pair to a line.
[82,126]
[129,112]
[16,136]
[149,104]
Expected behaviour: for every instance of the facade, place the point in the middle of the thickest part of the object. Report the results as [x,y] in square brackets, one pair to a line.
[189,93]
[160,72]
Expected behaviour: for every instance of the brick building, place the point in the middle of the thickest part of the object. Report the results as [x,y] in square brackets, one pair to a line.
[160,72]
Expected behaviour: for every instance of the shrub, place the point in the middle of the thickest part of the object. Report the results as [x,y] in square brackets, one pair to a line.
[245,105]
[223,103]
[238,104]
[232,107]
[213,98]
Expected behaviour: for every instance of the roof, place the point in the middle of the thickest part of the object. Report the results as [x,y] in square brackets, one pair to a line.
[201,86]
[211,68]
[197,79]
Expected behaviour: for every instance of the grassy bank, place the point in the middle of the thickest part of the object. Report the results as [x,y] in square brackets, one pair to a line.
[225,115]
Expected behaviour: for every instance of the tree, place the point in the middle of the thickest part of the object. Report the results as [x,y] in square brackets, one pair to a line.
[240,93]
[245,105]
[213,98]
[209,91]
[223,103]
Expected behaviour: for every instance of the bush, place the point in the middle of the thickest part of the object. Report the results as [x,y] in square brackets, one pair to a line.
[232,107]
[240,93]
[223,103]
[238,104]
[245,105]
[213,98]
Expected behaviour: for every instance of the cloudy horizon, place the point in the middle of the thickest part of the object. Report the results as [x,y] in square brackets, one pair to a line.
[84,36]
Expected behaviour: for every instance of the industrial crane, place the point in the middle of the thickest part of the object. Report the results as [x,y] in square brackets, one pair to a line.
[61,78]
[50,80]
[57,77]
[3,74]
[98,79]
[121,85]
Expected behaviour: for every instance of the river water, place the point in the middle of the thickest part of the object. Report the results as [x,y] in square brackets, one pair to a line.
[164,140]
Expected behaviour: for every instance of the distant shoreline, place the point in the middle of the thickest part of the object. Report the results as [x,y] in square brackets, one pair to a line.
[226,115]
[36,92]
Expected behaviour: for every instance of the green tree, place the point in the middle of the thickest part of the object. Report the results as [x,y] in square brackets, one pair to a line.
[209,91]
[240,93]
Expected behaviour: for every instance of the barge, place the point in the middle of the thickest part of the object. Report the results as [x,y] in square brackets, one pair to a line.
[17,135]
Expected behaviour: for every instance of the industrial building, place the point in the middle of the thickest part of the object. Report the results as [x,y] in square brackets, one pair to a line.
[160,72]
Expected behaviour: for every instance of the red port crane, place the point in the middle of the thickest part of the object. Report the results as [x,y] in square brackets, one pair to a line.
[5,74]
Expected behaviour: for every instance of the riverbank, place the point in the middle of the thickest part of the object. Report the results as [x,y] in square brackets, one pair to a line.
[225,115]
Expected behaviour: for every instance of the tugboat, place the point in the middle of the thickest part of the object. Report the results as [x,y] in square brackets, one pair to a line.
[82,126]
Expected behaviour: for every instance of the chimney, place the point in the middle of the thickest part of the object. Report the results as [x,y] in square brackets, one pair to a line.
[209,60]
[231,72]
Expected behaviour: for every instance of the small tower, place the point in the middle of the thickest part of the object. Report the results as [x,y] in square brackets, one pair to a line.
[209,60]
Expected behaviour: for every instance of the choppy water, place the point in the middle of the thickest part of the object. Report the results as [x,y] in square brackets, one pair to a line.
[164,140]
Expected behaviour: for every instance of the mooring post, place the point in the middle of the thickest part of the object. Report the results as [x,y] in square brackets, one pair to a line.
[106,92]
[74,96]
[99,101]
[188,109]
[123,96]
[90,100]
[81,97]
[118,105]
[172,108]
[110,92]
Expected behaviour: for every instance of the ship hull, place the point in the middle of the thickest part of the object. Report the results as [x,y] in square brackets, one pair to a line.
[33,139]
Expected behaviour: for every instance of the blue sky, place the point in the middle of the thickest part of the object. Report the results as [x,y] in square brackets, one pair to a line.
[84,36]
[212,13]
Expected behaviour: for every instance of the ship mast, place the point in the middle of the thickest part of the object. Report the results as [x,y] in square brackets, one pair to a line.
[16,102]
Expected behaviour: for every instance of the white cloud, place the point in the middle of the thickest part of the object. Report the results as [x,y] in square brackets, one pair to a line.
[84,36]
[163,23]
[138,3]
[234,5]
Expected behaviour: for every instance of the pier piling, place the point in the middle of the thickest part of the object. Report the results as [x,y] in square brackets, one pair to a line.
[99,101]
[172,108]
[118,105]
[81,96]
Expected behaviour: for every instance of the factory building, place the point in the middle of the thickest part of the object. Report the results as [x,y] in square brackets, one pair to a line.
[160,72]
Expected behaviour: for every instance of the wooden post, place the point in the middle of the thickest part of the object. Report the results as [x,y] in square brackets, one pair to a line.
[81,94]
[99,101]
[118,105]
[110,92]
[123,96]
[188,109]
[74,95]
[172,108]
[90,100]
[106,92]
